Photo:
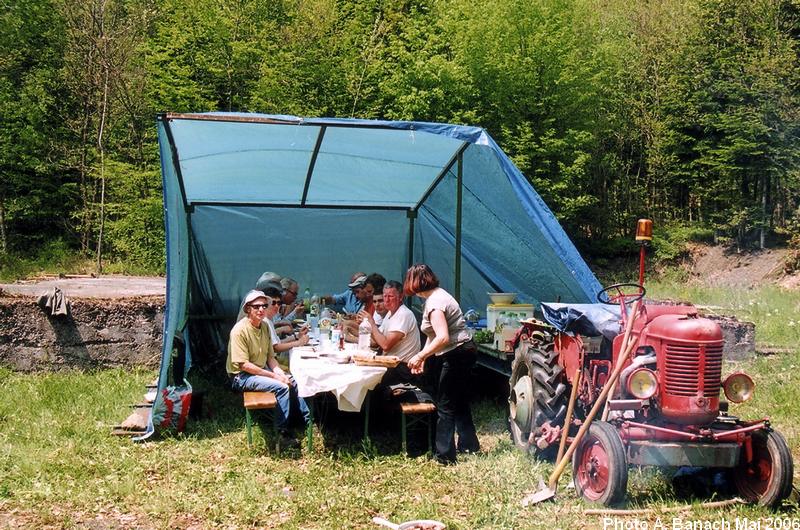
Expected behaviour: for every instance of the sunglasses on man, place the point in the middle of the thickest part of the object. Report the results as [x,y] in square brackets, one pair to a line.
[262,306]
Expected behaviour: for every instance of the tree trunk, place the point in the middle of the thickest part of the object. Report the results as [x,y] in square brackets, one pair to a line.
[103,114]
[764,202]
[3,241]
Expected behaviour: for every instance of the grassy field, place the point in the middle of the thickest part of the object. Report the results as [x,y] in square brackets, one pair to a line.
[59,468]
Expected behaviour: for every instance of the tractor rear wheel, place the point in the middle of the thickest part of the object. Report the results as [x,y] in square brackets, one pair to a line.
[599,467]
[538,394]
[767,478]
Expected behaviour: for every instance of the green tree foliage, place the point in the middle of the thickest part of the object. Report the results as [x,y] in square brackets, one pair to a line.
[683,111]
[35,196]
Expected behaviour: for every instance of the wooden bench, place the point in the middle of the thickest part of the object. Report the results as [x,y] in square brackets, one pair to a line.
[259,401]
[416,413]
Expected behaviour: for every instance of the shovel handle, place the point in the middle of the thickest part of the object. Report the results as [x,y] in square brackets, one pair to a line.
[601,400]
[573,396]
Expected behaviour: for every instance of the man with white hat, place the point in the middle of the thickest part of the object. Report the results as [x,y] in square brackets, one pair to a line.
[251,362]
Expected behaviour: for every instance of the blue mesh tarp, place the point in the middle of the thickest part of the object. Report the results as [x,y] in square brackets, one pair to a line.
[317,199]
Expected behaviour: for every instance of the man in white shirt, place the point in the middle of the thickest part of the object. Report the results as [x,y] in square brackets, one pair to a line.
[397,335]
[380,308]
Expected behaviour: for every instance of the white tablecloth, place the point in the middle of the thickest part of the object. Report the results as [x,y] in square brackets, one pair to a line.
[348,382]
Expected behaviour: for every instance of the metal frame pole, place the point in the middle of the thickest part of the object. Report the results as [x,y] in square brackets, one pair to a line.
[457,269]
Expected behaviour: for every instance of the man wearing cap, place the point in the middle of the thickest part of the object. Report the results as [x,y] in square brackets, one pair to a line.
[251,362]
[354,298]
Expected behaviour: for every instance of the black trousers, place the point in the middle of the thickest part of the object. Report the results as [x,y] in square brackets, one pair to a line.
[451,371]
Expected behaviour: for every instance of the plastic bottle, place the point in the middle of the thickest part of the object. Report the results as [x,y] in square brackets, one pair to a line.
[471,317]
[364,334]
[500,325]
[502,320]
[325,320]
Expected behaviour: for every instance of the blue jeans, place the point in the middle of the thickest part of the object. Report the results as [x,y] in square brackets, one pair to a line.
[244,382]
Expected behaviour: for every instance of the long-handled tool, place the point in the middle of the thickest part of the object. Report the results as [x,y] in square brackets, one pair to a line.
[573,396]
[549,491]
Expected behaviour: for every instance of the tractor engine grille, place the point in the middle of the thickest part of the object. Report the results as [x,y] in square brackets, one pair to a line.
[693,369]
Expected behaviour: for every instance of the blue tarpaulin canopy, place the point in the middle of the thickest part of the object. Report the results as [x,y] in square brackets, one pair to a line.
[318,199]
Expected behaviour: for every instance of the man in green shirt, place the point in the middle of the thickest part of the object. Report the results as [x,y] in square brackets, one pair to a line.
[251,362]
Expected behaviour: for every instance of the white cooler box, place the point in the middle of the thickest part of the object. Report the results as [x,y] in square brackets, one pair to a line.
[493,311]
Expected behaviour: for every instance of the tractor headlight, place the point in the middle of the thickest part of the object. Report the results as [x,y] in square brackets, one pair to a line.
[738,387]
[642,383]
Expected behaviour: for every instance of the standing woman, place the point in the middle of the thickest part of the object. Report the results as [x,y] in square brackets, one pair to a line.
[448,340]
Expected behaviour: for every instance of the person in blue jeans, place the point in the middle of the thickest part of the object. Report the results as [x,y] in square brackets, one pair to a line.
[251,362]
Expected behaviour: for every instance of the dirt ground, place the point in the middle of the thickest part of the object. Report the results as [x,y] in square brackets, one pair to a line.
[718,266]
[89,287]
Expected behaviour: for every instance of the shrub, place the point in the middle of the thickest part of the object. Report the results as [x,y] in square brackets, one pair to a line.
[671,242]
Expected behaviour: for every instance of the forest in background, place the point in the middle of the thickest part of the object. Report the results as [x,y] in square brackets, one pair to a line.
[684,111]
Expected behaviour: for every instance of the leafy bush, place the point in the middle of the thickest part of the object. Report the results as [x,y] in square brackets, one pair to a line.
[56,256]
[671,242]
[792,261]
[137,236]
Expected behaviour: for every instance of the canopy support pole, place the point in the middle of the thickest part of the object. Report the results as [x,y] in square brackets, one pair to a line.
[312,163]
[459,193]
[176,161]
[412,216]
[442,174]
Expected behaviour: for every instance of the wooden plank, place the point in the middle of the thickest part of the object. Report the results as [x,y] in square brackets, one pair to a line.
[417,408]
[259,400]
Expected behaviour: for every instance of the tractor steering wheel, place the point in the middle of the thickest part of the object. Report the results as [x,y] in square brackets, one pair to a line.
[605,297]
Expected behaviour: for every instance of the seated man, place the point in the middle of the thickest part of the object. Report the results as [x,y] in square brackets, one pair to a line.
[397,335]
[380,308]
[251,363]
[282,345]
[288,289]
[352,300]
[374,284]
[289,292]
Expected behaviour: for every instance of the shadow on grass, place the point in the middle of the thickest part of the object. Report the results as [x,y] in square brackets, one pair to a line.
[341,433]
[338,433]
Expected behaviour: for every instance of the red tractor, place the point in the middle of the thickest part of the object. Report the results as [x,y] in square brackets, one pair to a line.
[662,406]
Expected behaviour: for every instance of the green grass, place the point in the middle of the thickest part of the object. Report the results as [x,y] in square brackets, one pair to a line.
[59,467]
[774,311]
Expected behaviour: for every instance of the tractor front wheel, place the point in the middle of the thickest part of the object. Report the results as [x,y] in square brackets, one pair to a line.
[538,394]
[767,477]
[599,467]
